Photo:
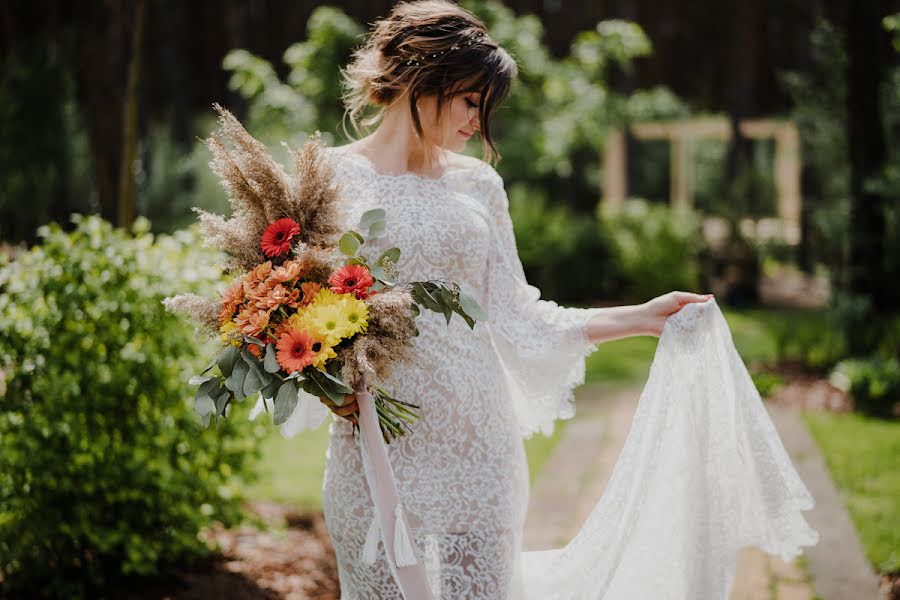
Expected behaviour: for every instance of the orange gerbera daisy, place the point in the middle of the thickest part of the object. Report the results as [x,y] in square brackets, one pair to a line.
[295,350]
[277,238]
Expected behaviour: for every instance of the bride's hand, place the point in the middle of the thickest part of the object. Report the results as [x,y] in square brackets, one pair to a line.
[349,410]
[660,308]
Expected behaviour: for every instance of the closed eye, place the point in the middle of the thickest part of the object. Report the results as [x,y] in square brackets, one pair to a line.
[471,104]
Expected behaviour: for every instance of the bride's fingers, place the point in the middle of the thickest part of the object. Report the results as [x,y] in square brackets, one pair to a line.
[686,297]
[347,409]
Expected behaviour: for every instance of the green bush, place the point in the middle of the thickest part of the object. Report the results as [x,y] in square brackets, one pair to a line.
[656,248]
[105,471]
[767,383]
[873,383]
[562,254]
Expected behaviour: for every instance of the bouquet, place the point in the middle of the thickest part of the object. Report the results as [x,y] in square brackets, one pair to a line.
[306,310]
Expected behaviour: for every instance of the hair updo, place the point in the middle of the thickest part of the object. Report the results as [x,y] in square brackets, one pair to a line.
[423,48]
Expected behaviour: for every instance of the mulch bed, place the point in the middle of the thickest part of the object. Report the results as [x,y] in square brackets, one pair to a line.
[807,390]
[292,559]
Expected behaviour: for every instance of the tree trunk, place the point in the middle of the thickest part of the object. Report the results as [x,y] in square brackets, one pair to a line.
[125,211]
[866,146]
[102,32]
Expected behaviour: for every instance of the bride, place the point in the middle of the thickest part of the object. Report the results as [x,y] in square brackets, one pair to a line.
[434,77]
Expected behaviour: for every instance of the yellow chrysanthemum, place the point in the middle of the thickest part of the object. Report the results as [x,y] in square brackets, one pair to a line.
[325,297]
[357,313]
[230,334]
[329,320]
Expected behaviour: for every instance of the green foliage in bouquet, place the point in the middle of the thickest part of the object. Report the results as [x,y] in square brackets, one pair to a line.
[104,469]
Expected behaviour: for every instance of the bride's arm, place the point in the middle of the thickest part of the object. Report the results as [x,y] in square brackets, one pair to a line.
[616,322]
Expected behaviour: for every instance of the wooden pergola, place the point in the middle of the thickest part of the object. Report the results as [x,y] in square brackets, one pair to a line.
[681,135]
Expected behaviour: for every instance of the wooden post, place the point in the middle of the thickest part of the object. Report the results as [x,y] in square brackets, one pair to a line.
[681,170]
[787,180]
[614,172]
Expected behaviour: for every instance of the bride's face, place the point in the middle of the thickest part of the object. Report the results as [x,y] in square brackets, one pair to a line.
[457,123]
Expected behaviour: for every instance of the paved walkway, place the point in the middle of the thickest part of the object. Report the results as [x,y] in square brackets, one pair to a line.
[566,491]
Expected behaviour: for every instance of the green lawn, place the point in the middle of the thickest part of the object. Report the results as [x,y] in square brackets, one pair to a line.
[863,456]
[292,469]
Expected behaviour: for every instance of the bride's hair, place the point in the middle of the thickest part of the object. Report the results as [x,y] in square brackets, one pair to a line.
[423,48]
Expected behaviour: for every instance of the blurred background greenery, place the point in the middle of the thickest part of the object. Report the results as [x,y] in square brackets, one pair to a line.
[104,471]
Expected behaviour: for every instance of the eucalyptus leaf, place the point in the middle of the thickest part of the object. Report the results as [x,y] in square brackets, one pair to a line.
[221,402]
[358,236]
[326,387]
[371,216]
[252,383]
[211,364]
[341,386]
[204,405]
[198,379]
[392,254]
[271,388]
[271,362]
[285,402]
[227,358]
[427,299]
[209,387]
[471,306]
[235,381]
[348,244]
[377,228]
[252,340]
[447,300]
[254,365]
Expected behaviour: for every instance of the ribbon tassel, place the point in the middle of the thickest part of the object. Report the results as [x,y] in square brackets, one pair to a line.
[402,546]
[370,548]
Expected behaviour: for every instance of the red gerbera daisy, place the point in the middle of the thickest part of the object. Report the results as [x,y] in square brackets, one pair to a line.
[295,350]
[277,238]
[351,279]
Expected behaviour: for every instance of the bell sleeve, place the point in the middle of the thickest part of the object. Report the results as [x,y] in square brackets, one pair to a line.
[542,346]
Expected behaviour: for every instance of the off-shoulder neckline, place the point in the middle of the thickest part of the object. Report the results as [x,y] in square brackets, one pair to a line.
[365,161]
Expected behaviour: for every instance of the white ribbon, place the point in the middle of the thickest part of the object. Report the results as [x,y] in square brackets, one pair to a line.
[401,552]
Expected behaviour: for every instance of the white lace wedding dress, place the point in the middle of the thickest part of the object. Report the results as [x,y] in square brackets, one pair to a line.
[702,473]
